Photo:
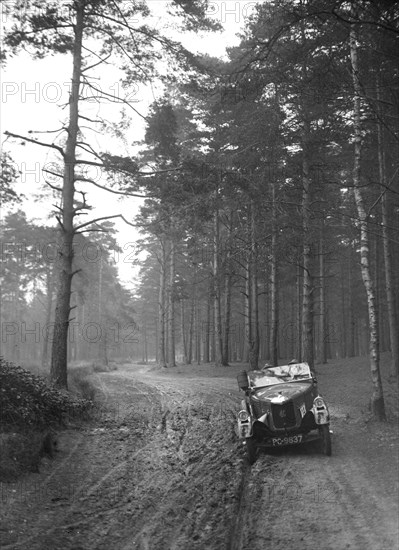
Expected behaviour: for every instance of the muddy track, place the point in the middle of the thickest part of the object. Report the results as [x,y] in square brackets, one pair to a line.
[161,468]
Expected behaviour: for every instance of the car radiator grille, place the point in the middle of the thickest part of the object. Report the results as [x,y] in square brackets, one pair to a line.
[283,415]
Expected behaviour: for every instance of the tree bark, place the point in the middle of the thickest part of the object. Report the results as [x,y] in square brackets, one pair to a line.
[183,331]
[227,298]
[171,307]
[49,305]
[103,343]
[217,302]
[307,293]
[377,399]
[389,279]
[251,295]
[162,308]
[191,327]
[207,329]
[352,322]
[274,283]
[322,325]
[299,314]
[145,343]
[58,372]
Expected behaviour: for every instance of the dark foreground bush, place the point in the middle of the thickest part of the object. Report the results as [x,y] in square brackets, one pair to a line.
[28,401]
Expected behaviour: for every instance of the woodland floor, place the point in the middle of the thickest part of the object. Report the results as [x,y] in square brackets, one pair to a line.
[160,468]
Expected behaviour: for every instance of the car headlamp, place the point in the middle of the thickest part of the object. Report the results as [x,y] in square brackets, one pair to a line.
[319,402]
[243,416]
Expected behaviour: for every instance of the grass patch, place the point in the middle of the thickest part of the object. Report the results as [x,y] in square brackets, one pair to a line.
[80,379]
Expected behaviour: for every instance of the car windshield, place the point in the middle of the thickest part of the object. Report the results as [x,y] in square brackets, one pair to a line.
[270,376]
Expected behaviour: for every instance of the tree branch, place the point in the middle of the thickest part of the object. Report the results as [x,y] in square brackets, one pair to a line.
[51,145]
[116,169]
[78,227]
[115,99]
[113,190]
[101,59]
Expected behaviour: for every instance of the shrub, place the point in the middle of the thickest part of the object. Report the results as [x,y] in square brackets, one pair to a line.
[81,384]
[27,400]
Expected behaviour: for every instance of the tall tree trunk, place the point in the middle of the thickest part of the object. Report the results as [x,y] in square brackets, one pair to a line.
[252,315]
[307,339]
[162,308]
[197,335]
[389,279]
[322,325]
[227,318]
[58,372]
[103,343]
[171,308]
[343,322]
[299,314]
[377,400]
[274,283]
[307,292]
[352,322]
[183,330]
[227,297]
[191,327]
[266,307]
[254,353]
[49,304]
[217,302]
[144,342]
[207,330]
[247,309]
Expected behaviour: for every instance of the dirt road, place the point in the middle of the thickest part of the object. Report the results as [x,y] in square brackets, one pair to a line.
[161,468]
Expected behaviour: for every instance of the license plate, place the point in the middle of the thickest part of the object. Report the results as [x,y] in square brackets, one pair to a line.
[287,440]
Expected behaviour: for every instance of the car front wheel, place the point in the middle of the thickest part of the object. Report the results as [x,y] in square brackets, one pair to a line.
[325,439]
[251,449]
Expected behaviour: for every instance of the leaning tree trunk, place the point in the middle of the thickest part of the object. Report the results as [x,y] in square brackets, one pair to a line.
[58,371]
[377,400]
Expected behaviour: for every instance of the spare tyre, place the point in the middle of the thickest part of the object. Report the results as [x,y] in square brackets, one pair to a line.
[242,380]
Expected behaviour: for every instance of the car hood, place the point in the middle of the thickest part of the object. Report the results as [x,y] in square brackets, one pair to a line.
[282,392]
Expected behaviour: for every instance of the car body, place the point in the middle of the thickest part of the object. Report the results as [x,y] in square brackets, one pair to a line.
[282,406]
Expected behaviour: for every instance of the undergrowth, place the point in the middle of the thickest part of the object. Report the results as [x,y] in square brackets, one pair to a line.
[31,410]
[27,400]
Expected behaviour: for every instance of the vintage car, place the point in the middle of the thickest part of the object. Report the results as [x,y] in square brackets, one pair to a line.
[282,406]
